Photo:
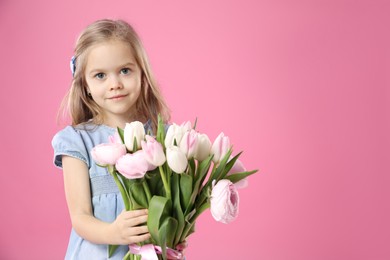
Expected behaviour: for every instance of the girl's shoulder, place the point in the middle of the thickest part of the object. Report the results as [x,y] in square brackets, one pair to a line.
[83,130]
[77,141]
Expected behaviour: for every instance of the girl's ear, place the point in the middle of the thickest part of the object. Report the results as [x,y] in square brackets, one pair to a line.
[88,92]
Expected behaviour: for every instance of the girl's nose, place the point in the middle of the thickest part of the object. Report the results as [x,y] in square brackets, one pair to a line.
[115,83]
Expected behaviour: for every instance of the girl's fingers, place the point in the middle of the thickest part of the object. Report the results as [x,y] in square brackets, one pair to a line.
[141,238]
[137,220]
[138,230]
[134,213]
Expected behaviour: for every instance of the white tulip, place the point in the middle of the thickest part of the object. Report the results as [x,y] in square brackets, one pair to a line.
[186,126]
[134,129]
[176,159]
[175,132]
[204,147]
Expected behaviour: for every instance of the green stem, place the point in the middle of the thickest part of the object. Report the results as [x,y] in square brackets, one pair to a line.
[165,182]
[125,195]
[127,256]
[200,211]
[192,220]
[147,191]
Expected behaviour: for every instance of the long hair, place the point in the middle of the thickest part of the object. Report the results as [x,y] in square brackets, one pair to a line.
[82,108]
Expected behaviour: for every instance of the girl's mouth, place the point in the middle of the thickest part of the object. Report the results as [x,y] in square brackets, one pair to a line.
[117,97]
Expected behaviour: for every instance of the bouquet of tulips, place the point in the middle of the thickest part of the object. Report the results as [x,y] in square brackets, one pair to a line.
[176,175]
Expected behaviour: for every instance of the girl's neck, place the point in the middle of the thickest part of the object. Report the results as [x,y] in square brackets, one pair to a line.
[120,122]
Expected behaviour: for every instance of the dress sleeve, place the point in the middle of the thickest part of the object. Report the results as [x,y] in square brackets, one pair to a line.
[69,142]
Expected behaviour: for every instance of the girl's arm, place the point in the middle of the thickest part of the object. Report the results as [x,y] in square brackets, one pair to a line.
[123,231]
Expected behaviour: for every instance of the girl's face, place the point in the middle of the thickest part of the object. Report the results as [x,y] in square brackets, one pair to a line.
[114,80]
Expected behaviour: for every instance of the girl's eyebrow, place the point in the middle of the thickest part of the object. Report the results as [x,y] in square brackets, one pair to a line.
[128,64]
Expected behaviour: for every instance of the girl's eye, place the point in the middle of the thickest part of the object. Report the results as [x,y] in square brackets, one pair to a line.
[125,71]
[100,76]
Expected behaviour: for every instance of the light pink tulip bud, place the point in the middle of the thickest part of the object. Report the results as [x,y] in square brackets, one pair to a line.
[133,166]
[189,143]
[176,159]
[186,126]
[239,167]
[153,151]
[224,201]
[220,147]
[175,132]
[115,138]
[107,154]
[134,129]
[204,147]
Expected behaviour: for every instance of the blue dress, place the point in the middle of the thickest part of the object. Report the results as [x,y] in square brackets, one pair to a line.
[107,201]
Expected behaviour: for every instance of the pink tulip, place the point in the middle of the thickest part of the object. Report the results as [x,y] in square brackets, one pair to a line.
[107,154]
[133,166]
[153,151]
[220,147]
[176,159]
[115,138]
[189,143]
[224,201]
[239,167]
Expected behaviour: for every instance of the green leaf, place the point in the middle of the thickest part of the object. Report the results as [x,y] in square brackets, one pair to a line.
[155,183]
[160,137]
[185,190]
[189,226]
[177,209]
[221,167]
[199,178]
[190,215]
[230,165]
[122,188]
[192,230]
[195,123]
[203,169]
[111,250]
[191,168]
[135,147]
[167,231]
[159,209]
[138,195]
[236,177]
[163,244]
[121,133]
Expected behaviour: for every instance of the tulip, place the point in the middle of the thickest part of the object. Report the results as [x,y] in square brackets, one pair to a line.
[186,126]
[239,167]
[133,130]
[189,143]
[203,149]
[153,151]
[175,132]
[115,138]
[220,147]
[133,166]
[107,154]
[176,159]
[224,201]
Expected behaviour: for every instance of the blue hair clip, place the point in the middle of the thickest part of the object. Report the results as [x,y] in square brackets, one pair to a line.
[73,65]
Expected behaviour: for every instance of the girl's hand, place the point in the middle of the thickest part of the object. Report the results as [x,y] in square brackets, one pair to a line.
[127,228]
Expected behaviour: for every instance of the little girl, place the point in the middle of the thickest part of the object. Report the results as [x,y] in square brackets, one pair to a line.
[112,85]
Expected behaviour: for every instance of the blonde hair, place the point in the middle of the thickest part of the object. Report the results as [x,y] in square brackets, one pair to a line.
[81,107]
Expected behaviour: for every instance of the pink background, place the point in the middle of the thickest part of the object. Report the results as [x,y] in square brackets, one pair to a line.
[301,86]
